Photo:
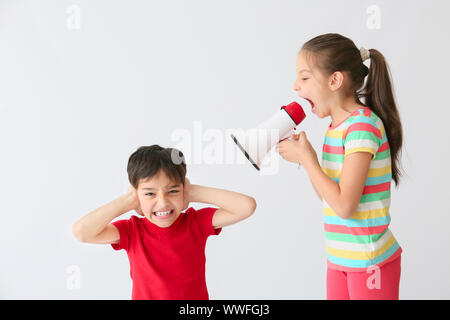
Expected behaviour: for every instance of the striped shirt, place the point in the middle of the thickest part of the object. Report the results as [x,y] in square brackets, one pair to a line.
[364,240]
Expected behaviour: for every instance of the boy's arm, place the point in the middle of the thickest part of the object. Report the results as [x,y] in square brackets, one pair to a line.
[233,206]
[95,227]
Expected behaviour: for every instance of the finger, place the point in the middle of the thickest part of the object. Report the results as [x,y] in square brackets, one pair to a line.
[301,136]
[279,149]
[283,142]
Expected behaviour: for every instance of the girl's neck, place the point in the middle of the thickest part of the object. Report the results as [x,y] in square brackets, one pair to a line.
[343,110]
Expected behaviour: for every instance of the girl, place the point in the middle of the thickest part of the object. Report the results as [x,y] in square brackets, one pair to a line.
[360,158]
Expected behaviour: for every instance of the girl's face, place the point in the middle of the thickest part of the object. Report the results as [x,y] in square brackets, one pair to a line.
[311,84]
[161,199]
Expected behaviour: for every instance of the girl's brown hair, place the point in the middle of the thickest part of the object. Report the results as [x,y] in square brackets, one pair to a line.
[333,52]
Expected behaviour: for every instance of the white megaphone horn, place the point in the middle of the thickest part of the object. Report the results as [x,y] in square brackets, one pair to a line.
[256,143]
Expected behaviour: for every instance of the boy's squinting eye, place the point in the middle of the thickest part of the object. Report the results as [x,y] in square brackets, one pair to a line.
[305,78]
[150,194]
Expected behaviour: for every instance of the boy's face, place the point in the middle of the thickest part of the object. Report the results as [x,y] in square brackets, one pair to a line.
[161,199]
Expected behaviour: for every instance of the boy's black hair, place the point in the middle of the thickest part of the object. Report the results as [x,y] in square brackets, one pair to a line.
[147,161]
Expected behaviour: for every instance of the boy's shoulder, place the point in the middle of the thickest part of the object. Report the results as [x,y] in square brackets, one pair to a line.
[130,222]
[203,219]
[136,219]
[193,211]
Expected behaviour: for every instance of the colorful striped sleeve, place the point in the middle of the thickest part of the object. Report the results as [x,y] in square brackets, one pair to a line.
[362,135]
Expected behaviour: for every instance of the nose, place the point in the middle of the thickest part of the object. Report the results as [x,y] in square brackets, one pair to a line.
[162,201]
[296,87]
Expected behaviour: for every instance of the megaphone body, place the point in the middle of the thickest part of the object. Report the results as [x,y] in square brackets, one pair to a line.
[255,143]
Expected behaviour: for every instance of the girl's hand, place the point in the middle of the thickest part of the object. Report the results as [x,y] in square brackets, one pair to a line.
[133,200]
[298,150]
[186,193]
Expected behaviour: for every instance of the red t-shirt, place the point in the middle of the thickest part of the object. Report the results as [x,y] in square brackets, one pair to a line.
[168,263]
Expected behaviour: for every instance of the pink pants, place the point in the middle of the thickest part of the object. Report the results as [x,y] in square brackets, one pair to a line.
[376,284]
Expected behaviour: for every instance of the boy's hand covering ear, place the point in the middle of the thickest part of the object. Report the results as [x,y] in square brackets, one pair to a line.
[186,195]
[136,206]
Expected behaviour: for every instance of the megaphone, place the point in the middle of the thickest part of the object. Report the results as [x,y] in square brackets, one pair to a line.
[256,143]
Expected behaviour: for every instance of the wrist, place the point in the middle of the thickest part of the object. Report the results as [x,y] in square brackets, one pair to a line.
[126,202]
[312,165]
[194,193]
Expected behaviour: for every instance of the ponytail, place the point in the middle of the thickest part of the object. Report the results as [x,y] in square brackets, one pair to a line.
[378,95]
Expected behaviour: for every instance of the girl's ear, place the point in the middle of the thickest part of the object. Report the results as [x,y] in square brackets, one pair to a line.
[336,81]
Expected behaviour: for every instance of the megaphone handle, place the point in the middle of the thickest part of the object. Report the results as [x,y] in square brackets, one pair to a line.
[294,131]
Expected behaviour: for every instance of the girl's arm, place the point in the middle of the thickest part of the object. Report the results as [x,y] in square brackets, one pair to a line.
[344,197]
[317,191]
[233,206]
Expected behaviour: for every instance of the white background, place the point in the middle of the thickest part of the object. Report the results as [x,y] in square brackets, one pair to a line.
[77,100]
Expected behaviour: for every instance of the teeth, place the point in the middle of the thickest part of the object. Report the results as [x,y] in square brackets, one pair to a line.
[163,213]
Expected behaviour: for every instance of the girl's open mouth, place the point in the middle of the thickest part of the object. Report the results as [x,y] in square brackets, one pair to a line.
[313,107]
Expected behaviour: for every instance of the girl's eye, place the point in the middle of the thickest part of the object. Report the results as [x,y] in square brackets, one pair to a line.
[173,191]
[149,194]
[305,78]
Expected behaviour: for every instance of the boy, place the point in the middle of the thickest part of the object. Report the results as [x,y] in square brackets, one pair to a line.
[166,246]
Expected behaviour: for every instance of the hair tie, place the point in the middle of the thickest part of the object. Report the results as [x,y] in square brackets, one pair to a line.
[365,54]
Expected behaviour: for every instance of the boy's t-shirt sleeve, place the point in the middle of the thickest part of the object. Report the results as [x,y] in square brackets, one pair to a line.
[362,135]
[124,227]
[204,217]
